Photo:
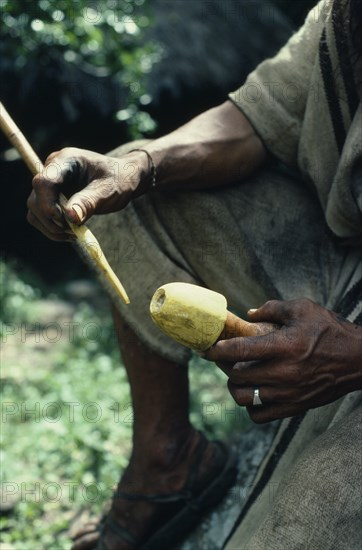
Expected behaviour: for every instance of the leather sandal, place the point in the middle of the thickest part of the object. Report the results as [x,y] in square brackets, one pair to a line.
[179,512]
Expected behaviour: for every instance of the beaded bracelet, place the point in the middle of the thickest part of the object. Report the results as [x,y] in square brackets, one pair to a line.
[152,164]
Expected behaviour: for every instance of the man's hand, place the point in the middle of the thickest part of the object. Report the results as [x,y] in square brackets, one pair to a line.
[94,184]
[192,157]
[313,359]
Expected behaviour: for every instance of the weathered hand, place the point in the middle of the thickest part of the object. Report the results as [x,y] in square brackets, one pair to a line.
[101,184]
[313,359]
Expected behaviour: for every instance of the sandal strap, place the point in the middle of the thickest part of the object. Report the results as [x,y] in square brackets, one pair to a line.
[196,462]
[155,497]
[120,531]
[186,494]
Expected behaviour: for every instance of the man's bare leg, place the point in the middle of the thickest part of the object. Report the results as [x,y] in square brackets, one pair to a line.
[163,441]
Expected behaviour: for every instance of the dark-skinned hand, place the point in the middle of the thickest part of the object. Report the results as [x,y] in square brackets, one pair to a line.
[313,359]
[93,183]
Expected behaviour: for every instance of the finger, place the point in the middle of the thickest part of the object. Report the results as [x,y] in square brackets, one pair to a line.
[43,201]
[249,348]
[274,311]
[90,526]
[275,373]
[61,236]
[281,312]
[244,395]
[62,170]
[267,413]
[301,404]
[82,205]
[225,367]
[50,226]
[50,157]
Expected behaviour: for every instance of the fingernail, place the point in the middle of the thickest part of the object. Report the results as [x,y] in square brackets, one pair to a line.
[58,223]
[79,212]
[253,310]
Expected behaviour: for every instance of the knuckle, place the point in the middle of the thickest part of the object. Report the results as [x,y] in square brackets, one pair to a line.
[257,419]
[90,203]
[52,237]
[306,302]
[237,398]
[233,391]
[51,157]
[272,303]
[43,181]
[254,414]
[69,151]
[31,201]
[301,305]
[234,378]
[297,375]
[30,217]
[65,152]
[38,181]
[68,156]
[236,348]
[257,415]
[301,398]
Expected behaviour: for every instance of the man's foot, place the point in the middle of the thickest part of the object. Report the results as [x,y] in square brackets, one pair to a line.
[155,491]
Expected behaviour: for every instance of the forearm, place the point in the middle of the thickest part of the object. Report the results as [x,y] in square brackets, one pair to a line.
[214,149]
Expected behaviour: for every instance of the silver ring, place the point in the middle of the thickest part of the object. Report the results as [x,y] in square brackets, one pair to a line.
[256,398]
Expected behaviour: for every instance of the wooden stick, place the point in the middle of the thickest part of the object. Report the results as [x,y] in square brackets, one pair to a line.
[234,327]
[90,248]
[18,140]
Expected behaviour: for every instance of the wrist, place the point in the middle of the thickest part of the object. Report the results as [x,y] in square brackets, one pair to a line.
[146,171]
[352,357]
[356,331]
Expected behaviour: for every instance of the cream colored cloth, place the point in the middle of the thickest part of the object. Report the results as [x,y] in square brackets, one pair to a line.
[307,494]
[305,105]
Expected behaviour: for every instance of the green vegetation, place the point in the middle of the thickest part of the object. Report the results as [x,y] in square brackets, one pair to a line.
[66,411]
[104,38]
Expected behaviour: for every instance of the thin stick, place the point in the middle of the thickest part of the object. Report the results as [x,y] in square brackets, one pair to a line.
[88,243]
[19,141]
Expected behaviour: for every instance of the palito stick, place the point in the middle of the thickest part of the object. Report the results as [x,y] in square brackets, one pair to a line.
[88,246]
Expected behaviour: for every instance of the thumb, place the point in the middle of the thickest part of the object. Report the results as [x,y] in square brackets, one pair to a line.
[81,206]
[273,311]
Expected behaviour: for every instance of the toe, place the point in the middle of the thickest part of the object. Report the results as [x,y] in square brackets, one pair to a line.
[87,536]
[87,541]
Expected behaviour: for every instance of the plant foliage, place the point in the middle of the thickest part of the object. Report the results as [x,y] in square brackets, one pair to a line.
[103,38]
[67,414]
